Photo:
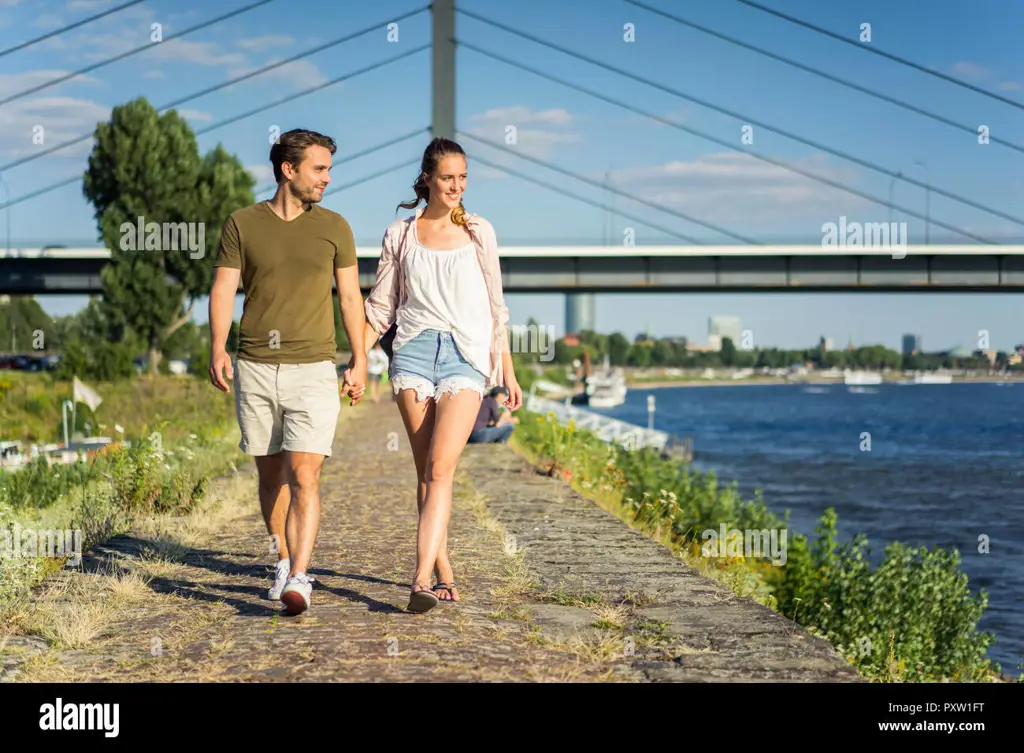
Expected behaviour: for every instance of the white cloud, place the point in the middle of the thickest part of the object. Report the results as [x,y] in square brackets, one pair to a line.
[520,115]
[539,143]
[48,21]
[14,83]
[738,188]
[258,44]
[301,74]
[153,74]
[198,53]
[969,70]
[61,118]
[264,174]
[93,5]
[174,50]
[1011,86]
[8,3]
[676,116]
[188,114]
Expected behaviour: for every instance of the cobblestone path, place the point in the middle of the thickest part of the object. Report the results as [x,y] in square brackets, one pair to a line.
[553,589]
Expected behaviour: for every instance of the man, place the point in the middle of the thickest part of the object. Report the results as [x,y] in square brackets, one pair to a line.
[493,423]
[286,394]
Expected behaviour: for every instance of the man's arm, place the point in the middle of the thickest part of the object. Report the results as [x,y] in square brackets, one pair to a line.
[222,310]
[353,315]
[227,271]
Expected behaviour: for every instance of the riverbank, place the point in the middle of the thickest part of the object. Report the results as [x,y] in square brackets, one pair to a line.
[812,381]
[910,619]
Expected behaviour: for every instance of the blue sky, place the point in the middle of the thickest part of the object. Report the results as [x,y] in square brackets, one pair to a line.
[977,42]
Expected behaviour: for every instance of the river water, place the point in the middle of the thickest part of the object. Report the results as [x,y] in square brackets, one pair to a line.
[938,465]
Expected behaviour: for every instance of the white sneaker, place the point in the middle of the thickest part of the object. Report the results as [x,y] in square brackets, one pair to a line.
[296,593]
[280,578]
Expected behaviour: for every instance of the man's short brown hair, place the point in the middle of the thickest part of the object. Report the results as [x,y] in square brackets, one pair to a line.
[291,148]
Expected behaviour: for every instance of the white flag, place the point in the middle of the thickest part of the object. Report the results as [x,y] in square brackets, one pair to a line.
[83,394]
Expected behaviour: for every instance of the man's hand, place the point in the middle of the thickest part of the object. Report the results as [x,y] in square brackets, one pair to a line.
[515,394]
[355,379]
[220,365]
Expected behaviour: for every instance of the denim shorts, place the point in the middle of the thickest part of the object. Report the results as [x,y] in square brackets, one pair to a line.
[432,364]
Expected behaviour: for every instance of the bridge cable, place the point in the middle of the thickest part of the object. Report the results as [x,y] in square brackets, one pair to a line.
[778,163]
[835,79]
[290,98]
[624,194]
[738,116]
[134,51]
[875,51]
[585,200]
[211,89]
[69,27]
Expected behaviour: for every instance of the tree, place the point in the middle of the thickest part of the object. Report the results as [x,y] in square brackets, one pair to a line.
[728,352]
[618,349]
[145,170]
[24,326]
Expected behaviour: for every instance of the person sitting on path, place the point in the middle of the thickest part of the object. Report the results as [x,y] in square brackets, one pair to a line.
[494,424]
[438,289]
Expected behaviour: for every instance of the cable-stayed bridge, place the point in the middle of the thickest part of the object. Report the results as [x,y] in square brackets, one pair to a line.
[736,262]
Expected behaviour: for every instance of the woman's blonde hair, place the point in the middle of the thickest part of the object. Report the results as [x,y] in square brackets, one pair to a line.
[436,150]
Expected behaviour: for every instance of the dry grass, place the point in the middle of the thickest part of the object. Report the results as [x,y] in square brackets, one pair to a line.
[591,650]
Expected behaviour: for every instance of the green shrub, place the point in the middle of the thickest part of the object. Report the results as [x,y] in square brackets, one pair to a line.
[912,618]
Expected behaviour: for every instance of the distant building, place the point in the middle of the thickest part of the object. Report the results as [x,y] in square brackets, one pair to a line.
[725,326]
[579,312]
[911,345]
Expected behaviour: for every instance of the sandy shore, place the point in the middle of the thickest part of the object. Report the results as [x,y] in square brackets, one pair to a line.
[655,385]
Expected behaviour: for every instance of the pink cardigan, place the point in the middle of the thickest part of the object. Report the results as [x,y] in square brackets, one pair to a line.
[389,293]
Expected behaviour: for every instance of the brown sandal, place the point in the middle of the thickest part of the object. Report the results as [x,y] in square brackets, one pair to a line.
[423,600]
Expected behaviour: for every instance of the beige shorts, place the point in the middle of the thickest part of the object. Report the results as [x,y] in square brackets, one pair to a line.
[289,407]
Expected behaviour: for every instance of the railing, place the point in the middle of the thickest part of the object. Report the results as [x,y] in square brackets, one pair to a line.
[630,436]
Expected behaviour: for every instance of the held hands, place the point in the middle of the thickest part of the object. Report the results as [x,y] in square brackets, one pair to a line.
[354,383]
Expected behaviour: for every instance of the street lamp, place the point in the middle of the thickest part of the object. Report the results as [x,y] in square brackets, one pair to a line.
[927,198]
[7,208]
[892,185]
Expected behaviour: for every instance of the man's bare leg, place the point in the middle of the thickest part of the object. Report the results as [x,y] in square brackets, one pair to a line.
[303,521]
[274,499]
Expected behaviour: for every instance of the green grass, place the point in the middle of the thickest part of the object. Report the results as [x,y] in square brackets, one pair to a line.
[912,618]
[181,432]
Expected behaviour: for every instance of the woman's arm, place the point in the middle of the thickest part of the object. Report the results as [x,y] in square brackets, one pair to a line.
[382,302]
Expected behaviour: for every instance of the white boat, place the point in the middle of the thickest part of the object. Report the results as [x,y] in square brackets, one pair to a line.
[863,377]
[933,378]
[604,389]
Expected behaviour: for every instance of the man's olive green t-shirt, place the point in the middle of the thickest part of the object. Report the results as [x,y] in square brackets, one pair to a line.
[287,272]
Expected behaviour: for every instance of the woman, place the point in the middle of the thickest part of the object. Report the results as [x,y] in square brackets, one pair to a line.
[439,284]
